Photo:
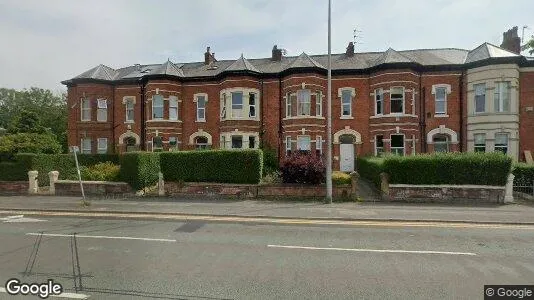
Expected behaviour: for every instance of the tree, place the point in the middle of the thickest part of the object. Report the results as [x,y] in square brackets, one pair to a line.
[530,45]
[25,122]
[50,107]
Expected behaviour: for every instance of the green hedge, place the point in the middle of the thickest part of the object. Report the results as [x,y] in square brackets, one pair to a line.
[140,169]
[225,166]
[63,163]
[370,168]
[449,168]
[13,171]
[524,174]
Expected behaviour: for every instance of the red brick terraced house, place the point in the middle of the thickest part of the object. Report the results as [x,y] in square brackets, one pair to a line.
[404,102]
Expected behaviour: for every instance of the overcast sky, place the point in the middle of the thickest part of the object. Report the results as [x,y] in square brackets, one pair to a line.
[44,42]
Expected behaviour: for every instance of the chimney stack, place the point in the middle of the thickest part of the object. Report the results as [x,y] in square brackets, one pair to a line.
[511,41]
[276,54]
[350,50]
[209,57]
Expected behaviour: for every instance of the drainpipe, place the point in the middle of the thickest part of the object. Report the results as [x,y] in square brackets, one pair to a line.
[281,106]
[422,111]
[261,143]
[113,123]
[142,143]
[461,99]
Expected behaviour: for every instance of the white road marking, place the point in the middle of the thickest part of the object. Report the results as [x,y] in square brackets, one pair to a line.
[373,250]
[63,295]
[103,237]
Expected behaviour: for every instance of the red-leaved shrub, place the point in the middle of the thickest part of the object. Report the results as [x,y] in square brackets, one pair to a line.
[303,168]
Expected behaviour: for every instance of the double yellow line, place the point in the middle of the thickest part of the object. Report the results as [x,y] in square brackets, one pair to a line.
[267,220]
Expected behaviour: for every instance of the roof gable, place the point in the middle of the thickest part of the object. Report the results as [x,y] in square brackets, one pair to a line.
[391,56]
[168,68]
[486,51]
[101,72]
[305,61]
[242,64]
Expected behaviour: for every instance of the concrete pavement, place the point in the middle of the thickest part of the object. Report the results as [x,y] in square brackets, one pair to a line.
[507,214]
[128,259]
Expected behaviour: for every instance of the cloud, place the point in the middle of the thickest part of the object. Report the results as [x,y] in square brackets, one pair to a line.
[44,42]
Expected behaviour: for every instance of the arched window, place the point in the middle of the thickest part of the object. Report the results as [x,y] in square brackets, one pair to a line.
[441,143]
[201,142]
[130,144]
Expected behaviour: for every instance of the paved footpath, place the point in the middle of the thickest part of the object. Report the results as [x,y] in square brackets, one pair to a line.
[210,206]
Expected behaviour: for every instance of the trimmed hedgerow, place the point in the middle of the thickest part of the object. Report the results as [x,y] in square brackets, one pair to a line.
[370,168]
[449,168]
[224,166]
[140,169]
[63,163]
[270,161]
[13,171]
[524,174]
[105,171]
[340,178]
[303,168]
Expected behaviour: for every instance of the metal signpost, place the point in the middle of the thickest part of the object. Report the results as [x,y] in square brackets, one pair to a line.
[75,149]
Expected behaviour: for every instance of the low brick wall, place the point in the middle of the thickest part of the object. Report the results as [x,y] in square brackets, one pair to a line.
[253,190]
[72,188]
[446,193]
[13,187]
[297,190]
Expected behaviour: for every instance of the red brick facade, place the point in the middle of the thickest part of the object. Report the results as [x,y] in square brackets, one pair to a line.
[416,123]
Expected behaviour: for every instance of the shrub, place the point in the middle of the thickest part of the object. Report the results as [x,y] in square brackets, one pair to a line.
[270,161]
[273,177]
[29,143]
[105,171]
[225,166]
[370,168]
[63,163]
[303,168]
[140,169]
[449,168]
[524,174]
[340,178]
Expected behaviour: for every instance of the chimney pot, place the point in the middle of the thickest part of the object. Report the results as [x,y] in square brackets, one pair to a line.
[276,54]
[350,50]
[511,41]
[209,57]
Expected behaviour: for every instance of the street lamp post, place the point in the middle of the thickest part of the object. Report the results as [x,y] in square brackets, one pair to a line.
[329,110]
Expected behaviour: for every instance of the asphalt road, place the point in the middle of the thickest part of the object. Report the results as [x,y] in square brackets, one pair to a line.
[125,259]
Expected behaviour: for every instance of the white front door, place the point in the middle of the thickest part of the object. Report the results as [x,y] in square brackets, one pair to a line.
[346,157]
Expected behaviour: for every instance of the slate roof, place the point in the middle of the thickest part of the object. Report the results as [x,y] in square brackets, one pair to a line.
[359,61]
[486,51]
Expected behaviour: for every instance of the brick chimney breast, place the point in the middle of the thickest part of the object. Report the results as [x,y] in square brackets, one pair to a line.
[350,50]
[209,57]
[276,54]
[511,41]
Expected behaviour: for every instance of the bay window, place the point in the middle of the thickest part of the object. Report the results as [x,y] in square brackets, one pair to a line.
[237,104]
[397,100]
[318,145]
[480,97]
[501,142]
[502,96]
[303,102]
[237,141]
[157,107]
[86,109]
[379,98]
[252,105]
[480,142]
[173,108]
[379,145]
[288,146]
[397,144]
[303,143]
[319,104]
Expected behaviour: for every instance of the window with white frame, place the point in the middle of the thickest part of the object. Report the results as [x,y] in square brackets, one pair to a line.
[303,143]
[252,105]
[480,97]
[86,145]
[480,142]
[173,143]
[379,144]
[441,143]
[379,100]
[157,107]
[173,108]
[201,108]
[102,110]
[502,96]
[318,145]
[319,104]
[102,146]
[237,141]
[85,109]
[222,142]
[201,143]
[223,106]
[157,143]
[251,141]
[441,101]
[288,145]
[346,103]
[501,142]
[130,112]
[237,104]
[397,144]
[303,102]
[396,100]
